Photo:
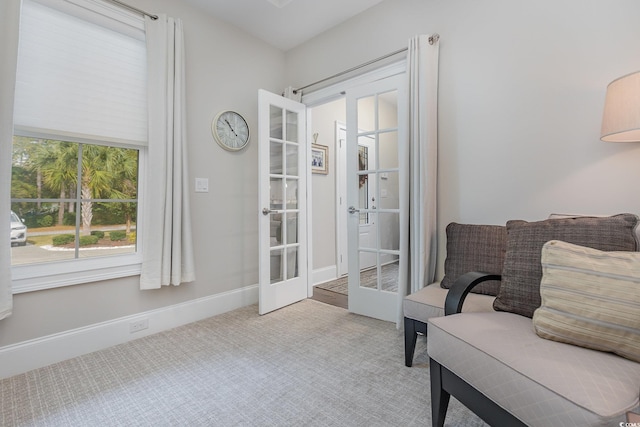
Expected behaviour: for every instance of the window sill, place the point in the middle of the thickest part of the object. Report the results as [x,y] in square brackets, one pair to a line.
[29,278]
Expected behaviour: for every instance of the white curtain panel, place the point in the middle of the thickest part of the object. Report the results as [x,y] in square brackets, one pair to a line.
[9,22]
[167,244]
[422,78]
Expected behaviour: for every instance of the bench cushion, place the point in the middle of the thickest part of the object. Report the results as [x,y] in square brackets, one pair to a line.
[539,381]
[429,302]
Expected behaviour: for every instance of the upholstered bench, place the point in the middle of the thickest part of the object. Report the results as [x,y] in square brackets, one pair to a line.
[470,247]
[421,306]
[563,344]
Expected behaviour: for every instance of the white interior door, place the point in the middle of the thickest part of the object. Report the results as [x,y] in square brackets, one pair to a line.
[282,174]
[375,140]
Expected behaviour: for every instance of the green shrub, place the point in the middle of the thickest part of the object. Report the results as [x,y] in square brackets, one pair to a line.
[98,233]
[30,221]
[62,239]
[45,221]
[132,237]
[88,240]
[117,235]
[69,218]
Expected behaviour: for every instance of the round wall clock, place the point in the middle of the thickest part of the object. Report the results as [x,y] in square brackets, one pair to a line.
[230,130]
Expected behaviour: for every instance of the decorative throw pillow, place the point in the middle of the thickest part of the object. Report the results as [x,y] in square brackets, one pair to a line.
[520,289]
[590,298]
[472,247]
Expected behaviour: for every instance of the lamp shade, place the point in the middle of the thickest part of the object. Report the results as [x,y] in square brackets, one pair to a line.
[621,118]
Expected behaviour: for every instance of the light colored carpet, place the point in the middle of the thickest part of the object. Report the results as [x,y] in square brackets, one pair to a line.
[368,278]
[307,364]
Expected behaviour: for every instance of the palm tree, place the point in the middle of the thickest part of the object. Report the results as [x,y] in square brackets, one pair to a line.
[61,170]
[22,183]
[97,177]
[110,173]
[124,167]
[43,158]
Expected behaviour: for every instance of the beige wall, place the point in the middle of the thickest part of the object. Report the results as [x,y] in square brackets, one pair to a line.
[225,68]
[323,204]
[521,92]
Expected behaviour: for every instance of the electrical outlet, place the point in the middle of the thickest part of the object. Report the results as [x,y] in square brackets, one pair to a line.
[138,325]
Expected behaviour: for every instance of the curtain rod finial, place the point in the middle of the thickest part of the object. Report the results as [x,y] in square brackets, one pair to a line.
[434,38]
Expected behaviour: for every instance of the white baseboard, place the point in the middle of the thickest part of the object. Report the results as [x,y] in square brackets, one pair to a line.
[32,354]
[325,274]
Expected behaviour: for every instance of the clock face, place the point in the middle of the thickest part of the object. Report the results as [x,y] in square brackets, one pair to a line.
[230,130]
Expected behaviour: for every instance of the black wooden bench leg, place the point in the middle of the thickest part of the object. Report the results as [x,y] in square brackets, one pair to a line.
[410,338]
[411,329]
[439,397]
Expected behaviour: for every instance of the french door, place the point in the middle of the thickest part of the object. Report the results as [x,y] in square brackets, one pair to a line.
[283,170]
[376,194]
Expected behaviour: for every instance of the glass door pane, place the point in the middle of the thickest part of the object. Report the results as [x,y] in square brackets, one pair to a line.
[284,169]
[377,156]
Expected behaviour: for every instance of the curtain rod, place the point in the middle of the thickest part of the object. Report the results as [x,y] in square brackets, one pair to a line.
[432,39]
[135,9]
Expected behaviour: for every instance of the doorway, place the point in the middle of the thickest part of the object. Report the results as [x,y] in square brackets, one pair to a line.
[328,125]
[329,207]
[326,109]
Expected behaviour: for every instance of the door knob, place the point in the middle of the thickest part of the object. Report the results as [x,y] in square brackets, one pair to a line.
[352,210]
[267,211]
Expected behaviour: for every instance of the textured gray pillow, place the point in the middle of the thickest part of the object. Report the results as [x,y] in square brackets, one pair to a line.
[522,272]
[472,247]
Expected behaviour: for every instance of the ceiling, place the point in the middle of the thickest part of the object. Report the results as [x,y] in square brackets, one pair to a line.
[284,23]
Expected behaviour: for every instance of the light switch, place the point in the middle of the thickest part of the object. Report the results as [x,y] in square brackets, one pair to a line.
[202,185]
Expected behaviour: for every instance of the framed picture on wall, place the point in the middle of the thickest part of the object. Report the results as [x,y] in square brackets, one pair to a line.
[319,159]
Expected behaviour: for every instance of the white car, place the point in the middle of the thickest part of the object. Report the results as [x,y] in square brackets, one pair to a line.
[18,231]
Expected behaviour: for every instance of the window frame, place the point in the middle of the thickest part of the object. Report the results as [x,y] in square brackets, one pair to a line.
[48,275]
[37,277]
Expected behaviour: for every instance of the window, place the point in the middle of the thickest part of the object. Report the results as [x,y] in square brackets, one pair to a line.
[79,144]
[76,200]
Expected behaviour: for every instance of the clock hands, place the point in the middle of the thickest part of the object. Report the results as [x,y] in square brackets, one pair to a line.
[230,127]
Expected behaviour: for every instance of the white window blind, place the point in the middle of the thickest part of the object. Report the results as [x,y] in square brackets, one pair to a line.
[78,80]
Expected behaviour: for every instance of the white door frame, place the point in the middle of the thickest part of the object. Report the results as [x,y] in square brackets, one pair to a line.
[342,266]
[309,205]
